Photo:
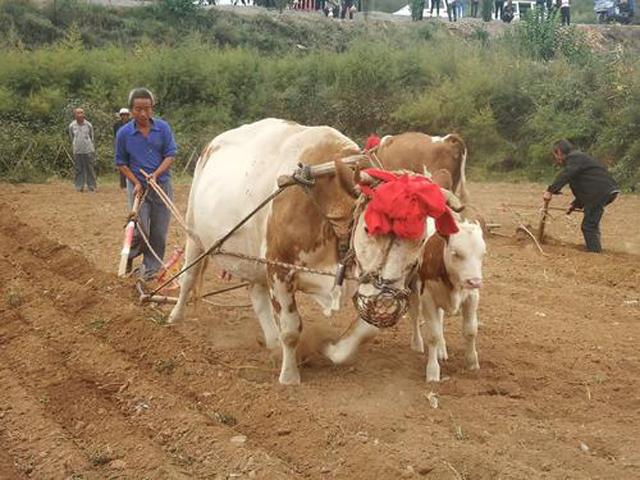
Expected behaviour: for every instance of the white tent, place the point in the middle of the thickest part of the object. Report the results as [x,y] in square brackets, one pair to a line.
[406,11]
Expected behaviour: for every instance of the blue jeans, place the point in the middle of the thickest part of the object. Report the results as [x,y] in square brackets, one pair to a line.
[153,220]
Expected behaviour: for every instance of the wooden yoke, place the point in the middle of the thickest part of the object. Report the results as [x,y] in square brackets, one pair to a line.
[305,175]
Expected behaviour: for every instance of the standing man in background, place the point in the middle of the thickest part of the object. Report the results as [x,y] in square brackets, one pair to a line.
[565,12]
[81,135]
[592,186]
[124,118]
[147,144]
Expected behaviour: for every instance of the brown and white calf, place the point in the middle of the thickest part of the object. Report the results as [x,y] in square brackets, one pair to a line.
[450,278]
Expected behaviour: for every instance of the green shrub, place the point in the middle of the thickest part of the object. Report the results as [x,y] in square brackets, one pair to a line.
[509,102]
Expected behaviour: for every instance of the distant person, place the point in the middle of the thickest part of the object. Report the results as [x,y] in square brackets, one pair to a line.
[147,144]
[373,140]
[346,9]
[435,3]
[124,118]
[565,13]
[452,10]
[499,8]
[81,135]
[508,14]
[474,8]
[592,186]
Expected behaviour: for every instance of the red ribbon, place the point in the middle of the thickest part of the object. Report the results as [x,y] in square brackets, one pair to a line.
[402,204]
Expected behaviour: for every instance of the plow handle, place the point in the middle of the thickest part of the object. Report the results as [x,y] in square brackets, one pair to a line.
[128,239]
[543,220]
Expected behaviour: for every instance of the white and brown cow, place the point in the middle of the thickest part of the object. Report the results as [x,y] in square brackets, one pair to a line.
[237,170]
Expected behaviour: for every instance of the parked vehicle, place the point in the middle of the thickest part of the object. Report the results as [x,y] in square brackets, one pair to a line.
[614,11]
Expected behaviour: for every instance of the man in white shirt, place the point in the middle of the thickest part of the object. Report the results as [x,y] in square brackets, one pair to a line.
[81,135]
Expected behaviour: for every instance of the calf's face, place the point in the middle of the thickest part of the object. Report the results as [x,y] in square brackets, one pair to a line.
[463,255]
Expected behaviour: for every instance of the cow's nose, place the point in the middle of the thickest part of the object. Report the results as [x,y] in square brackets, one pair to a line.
[473,283]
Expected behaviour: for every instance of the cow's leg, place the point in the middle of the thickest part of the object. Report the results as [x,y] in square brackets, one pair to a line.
[187,280]
[434,337]
[261,302]
[442,343]
[345,349]
[470,328]
[417,343]
[285,311]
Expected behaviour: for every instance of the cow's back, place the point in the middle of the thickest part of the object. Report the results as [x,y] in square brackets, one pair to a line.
[236,172]
[415,151]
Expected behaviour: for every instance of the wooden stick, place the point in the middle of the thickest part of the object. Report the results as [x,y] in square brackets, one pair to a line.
[128,238]
[227,289]
[321,170]
[524,229]
[543,220]
[172,209]
[158,299]
[528,232]
[186,167]
[530,207]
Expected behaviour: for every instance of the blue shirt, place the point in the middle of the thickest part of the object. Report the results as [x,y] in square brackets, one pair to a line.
[137,152]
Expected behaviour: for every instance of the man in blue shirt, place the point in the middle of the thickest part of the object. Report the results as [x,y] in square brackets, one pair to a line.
[147,144]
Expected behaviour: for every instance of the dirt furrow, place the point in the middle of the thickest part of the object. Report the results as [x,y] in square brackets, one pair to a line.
[39,446]
[187,433]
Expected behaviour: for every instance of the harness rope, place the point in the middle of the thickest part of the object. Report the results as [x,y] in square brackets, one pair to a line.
[381,310]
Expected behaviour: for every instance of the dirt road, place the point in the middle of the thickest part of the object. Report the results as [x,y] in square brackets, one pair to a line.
[95,386]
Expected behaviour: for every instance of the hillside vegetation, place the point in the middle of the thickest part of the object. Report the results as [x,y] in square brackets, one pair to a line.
[510,97]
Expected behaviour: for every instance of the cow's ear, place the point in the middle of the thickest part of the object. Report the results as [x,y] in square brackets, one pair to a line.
[346,178]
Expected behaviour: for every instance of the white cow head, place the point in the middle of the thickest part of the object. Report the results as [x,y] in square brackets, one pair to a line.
[387,259]
[384,267]
[463,255]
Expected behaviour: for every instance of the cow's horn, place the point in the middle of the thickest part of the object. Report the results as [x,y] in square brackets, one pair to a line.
[365,178]
[346,177]
[454,203]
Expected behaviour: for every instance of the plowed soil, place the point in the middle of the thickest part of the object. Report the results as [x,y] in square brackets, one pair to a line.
[94,385]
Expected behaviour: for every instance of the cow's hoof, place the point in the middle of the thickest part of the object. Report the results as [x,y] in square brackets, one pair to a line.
[442,352]
[335,353]
[433,373]
[472,361]
[175,316]
[290,378]
[417,345]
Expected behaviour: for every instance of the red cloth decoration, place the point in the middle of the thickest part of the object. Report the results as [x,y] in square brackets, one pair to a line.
[402,204]
[372,141]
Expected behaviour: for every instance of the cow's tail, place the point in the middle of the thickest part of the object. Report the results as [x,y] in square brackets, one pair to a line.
[196,242]
[461,189]
[198,285]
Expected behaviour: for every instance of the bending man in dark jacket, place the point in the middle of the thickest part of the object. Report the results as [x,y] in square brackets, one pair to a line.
[591,184]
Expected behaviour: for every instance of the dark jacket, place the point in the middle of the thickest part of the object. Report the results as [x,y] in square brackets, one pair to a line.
[589,180]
